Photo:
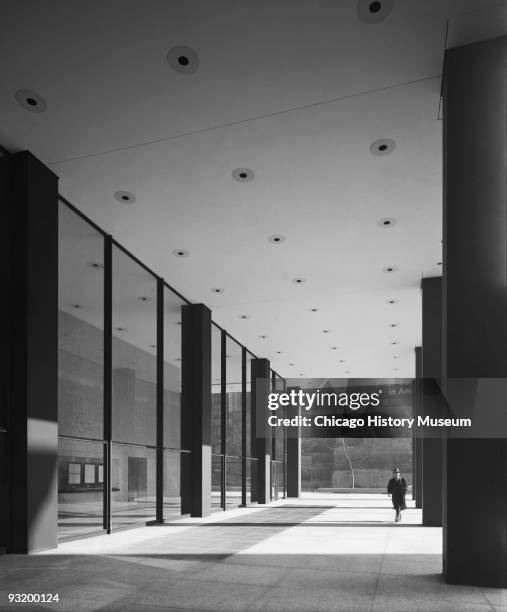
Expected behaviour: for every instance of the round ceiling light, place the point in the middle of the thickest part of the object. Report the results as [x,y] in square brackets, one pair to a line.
[394,342]
[95,265]
[386,222]
[177,322]
[243,175]
[291,364]
[30,101]
[153,346]
[119,329]
[373,11]
[217,290]
[391,301]
[76,306]
[263,337]
[325,331]
[299,281]
[389,269]
[334,348]
[125,197]
[393,324]
[276,239]
[180,253]
[342,361]
[384,146]
[439,263]
[314,309]
[278,352]
[183,60]
[243,316]
[144,298]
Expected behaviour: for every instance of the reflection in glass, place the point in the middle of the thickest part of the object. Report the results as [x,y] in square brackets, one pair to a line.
[80,375]
[80,491]
[216,482]
[133,485]
[233,396]
[233,482]
[172,369]
[216,390]
[172,485]
[134,355]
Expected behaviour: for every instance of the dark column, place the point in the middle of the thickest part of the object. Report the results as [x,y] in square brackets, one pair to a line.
[293,457]
[196,410]
[33,325]
[431,371]
[160,403]
[417,440]
[261,384]
[475,304]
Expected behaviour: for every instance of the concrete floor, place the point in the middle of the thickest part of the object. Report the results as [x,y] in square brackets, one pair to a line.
[323,552]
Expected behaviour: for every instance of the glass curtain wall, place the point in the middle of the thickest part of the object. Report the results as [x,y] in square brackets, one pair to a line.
[134,392]
[234,422]
[251,461]
[216,419]
[85,465]
[172,406]
[80,376]
[278,448]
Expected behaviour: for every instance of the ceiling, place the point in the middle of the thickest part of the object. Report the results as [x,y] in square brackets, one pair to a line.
[294,90]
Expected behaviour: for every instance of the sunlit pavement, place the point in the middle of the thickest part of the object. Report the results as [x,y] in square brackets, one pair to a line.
[321,552]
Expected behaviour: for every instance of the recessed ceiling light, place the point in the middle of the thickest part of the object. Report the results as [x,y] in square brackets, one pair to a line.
[144,298]
[180,253]
[333,348]
[30,101]
[384,146]
[177,322]
[291,364]
[276,238]
[243,316]
[243,175]
[341,361]
[125,197]
[95,265]
[439,263]
[299,281]
[263,337]
[183,59]
[278,352]
[217,290]
[389,269]
[301,374]
[391,301]
[386,222]
[325,331]
[395,356]
[314,309]
[153,346]
[76,306]
[394,342]
[178,358]
[347,371]
[119,329]
[373,11]
[393,324]
[227,356]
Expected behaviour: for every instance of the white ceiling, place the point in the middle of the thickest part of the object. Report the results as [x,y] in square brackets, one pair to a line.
[295,90]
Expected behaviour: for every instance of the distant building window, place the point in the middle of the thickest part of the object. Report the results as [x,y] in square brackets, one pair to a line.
[101,473]
[74,473]
[89,475]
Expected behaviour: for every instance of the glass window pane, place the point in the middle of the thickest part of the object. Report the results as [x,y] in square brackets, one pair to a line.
[249,442]
[80,503]
[133,485]
[134,352]
[80,327]
[89,474]
[172,484]
[233,398]
[216,482]
[216,390]
[172,369]
[233,481]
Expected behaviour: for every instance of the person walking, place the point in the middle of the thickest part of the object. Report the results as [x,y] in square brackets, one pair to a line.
[396,489]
